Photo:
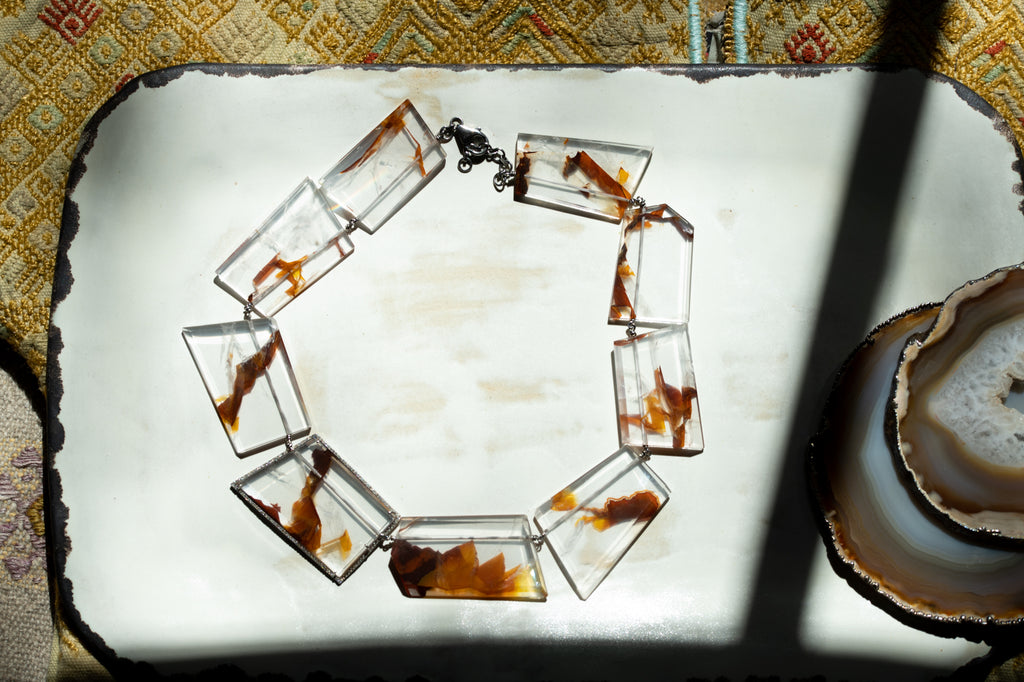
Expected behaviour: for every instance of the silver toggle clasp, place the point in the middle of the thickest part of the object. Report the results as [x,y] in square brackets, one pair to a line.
[473,145]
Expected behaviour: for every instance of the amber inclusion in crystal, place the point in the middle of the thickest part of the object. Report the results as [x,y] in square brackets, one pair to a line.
[245,368]
[656,393]
[319,505]
[591,523]
[384,170]
[591,178]
[652,276]
[471,557]
[300,242]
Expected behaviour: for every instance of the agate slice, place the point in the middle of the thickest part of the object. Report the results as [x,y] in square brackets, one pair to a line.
[320,506]
[385,170]
[591,523]
[957,405]
[652,276]
[245,368]
[590,178]
[300,242]
[467,557]
[902,558]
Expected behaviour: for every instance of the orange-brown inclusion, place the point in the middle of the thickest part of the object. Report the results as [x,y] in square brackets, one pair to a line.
[273,510]
[458,571]
[292,269]
[620,297]
[390,127]
[342,543]
[592,171]
[522,185]
[659,216]
[667,409]
[640,506]
[246,374]
[564,500]
[305,523]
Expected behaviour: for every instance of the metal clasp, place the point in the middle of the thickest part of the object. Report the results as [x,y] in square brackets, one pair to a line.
[475,148]
[473,145]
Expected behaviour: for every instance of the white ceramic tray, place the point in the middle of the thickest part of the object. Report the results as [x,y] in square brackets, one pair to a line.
[460,361]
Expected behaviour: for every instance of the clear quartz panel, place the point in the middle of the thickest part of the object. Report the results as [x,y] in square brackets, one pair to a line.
[595,179]
[245,368]
[656,393]
[652,276]
[320,506]
[385,170]
[467,557]
[591,523]
[295,246]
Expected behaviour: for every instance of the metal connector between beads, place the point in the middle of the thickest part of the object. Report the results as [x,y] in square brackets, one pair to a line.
[475,148]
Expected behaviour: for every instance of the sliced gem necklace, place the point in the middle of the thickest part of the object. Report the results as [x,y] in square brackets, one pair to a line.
[319,505]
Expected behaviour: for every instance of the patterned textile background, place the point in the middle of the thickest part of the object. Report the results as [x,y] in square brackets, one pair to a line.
[60,59]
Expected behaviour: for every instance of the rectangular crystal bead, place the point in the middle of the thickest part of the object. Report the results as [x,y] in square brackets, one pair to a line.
[586,177]
[591,524]
[385,170]
[320,506]
[467,557]
[652,276]
[295,246]
[245,368]
[656,393]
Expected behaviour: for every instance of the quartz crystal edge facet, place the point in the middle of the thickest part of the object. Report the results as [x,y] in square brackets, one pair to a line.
[404,124]
[544,165]
[633,411]
[600,481]
[301,269]
[377,539]
[301,428]
[438,558]
[639,295]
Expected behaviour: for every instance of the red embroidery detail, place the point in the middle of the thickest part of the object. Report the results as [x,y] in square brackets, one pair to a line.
[370,57]
[541,25]
[809,45]
[996,48]
[70,18]
[124,81]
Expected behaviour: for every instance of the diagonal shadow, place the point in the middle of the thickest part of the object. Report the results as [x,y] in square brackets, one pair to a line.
[858,262]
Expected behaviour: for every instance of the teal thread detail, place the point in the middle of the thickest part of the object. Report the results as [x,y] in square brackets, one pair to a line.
[105,51]
[516,16]
[869,54]
[508,47]
[46,117]
[420,40]
[739,30]
[980,60]
[996,71]
[379,46]
[696,34]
